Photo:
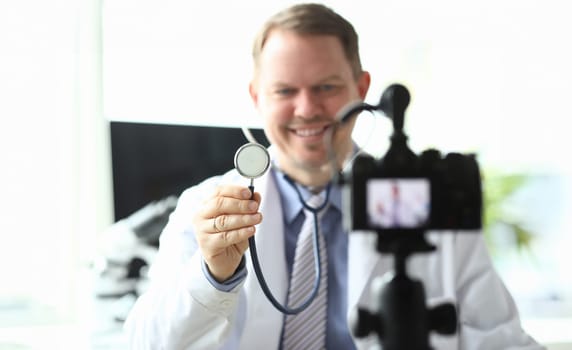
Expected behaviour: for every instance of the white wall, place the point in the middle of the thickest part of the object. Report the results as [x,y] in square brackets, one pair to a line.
[54,181]
[496,72]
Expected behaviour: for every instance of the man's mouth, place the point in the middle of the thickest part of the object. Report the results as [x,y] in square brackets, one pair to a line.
[309,132]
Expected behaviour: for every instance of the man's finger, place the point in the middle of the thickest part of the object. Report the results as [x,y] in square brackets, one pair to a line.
[223,223]
[218,205]
[225,239]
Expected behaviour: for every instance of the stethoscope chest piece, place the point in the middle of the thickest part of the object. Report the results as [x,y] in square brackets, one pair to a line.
[252,160]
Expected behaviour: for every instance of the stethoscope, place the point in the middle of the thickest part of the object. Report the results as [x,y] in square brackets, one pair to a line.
[252,160]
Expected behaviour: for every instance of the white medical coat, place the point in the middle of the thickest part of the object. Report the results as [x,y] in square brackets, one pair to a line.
[182,310]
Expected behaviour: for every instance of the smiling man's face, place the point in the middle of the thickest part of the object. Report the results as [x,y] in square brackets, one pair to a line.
[301,83]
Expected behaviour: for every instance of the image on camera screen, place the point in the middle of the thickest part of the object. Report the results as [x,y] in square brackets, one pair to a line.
[394,203]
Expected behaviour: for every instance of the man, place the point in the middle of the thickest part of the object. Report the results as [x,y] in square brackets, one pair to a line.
[204,293]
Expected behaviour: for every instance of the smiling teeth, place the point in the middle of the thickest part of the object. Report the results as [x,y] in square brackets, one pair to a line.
[308,132]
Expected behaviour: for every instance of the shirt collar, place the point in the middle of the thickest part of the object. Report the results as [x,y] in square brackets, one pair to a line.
[291,204]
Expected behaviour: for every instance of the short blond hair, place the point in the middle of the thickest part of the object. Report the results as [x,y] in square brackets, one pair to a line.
[312,19]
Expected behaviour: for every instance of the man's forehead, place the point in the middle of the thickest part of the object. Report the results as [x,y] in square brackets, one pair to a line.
[331,79]
[320,56]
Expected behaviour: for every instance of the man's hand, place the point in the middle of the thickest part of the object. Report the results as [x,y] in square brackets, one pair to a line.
[223,227]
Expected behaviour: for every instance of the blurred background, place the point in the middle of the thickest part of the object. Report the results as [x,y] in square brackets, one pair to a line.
[78,76]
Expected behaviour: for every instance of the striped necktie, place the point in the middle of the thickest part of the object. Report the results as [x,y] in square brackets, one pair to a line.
[307,329]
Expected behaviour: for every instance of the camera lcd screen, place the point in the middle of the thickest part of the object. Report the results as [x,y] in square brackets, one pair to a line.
[396,203]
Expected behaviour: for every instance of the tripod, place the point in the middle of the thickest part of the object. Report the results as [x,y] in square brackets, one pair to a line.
[402,321]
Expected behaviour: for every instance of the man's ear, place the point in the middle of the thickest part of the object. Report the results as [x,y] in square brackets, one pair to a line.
[253,93]
[363,84]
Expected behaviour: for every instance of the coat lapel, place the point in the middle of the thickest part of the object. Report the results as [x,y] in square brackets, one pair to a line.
[364,264]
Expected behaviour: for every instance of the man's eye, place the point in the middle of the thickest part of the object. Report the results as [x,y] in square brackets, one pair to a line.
[284,91]
[326,88]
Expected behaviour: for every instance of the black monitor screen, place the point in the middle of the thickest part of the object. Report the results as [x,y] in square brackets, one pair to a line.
[153,161]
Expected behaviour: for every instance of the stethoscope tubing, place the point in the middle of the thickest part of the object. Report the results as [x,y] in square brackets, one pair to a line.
[316,251]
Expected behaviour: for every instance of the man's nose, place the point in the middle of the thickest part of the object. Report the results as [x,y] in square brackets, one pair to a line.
[308,105]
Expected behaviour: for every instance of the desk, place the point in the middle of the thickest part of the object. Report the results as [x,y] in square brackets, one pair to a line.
[554,332]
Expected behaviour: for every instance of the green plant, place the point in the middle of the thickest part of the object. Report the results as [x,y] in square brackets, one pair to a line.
[498,189]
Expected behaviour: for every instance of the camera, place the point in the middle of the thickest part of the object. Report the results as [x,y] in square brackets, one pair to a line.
[399,197]
[403,192]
